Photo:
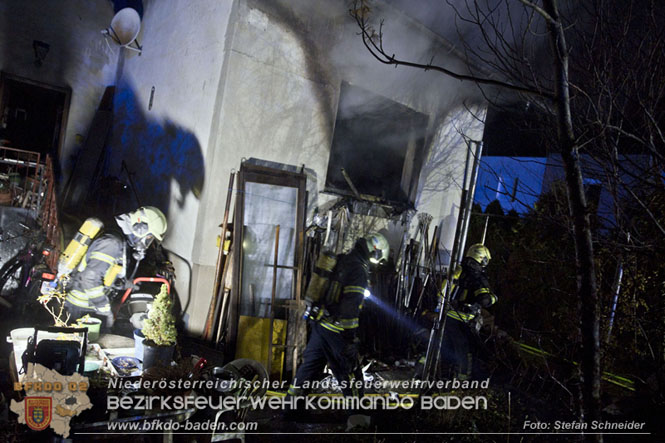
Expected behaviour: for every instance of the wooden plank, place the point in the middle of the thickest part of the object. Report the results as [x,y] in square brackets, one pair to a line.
[236,289]
[221,265]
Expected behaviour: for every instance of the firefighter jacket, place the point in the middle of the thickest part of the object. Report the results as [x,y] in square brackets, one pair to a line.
[346,293]
[91,282]
[470,287]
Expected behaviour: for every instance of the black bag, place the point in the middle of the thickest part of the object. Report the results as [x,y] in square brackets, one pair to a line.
[63,356]
[60,355]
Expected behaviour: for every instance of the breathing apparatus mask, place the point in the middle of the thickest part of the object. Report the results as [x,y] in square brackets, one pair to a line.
[141,228]
[378,248]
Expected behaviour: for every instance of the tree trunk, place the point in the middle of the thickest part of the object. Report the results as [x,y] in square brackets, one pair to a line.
[586,276]
[661,372]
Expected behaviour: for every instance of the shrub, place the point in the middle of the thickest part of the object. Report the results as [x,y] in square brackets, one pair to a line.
[159,327]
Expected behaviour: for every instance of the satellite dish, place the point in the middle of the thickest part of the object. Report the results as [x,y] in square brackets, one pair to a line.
[125,27]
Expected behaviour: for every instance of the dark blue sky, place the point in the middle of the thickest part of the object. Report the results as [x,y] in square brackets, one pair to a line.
[496,181]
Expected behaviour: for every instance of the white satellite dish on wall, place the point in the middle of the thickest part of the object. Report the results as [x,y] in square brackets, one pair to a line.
[125,28]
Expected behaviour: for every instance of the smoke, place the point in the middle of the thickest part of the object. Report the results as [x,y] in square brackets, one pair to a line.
[428,92]
[504,40]
[427,31]
[397,109]
[334,43]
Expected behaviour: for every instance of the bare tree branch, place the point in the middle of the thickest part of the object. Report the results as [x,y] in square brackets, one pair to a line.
[373,41]
[538,9]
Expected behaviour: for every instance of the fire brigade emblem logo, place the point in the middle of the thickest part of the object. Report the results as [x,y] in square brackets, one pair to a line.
[38,412]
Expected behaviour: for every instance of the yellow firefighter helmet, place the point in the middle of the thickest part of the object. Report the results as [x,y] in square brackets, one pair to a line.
[479,253]
[142,226]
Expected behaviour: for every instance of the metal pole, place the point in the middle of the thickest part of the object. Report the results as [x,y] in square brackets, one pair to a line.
[463,212]
[222,316]
[472,193]
[423,228]
[401,258]
[209,326]
[272,299]
[436,335]
[487,221]
[617,291]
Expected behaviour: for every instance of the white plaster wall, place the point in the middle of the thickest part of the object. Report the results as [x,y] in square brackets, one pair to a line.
[442,177]
[456,110]
[78,57]
[269,110]
[429,92]
[183,53]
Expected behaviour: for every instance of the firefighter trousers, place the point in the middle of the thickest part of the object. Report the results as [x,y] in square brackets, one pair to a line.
[330,347]
[458,347]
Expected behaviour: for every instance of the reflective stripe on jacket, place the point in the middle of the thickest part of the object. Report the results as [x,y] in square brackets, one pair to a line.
[471,286]
[350,279]
[90,283]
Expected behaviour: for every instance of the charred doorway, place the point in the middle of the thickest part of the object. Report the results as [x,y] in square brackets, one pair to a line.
[33,115]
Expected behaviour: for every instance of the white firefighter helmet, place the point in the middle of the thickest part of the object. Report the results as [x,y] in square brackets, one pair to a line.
[378,247]
[479,253]
[143,226]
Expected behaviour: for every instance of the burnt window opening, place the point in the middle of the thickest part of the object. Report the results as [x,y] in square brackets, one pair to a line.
[380,144]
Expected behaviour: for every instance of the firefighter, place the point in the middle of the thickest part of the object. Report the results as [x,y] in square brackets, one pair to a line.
[105,261]
[470,293]
[333,336]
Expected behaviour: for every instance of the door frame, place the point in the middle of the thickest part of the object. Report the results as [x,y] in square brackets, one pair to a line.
[264,175]
[4,76]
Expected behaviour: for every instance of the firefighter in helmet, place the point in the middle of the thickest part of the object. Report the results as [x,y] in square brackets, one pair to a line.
[335,322]
[470,293]
[106,260]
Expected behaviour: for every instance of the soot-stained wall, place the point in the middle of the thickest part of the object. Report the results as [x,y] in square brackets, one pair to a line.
[261,79]
[78,58]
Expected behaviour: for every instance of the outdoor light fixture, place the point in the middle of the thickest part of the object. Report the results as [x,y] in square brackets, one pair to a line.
[41,49]
[367,293]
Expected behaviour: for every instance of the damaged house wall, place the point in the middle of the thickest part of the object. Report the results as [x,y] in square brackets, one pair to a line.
[278,102]
[278,70]
[78,57]
[219,81]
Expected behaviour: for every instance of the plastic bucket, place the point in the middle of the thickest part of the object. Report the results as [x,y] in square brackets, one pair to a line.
[19,340]
[93,325]
[140,302]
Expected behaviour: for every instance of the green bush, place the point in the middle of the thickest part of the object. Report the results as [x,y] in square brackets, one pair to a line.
[159,327]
